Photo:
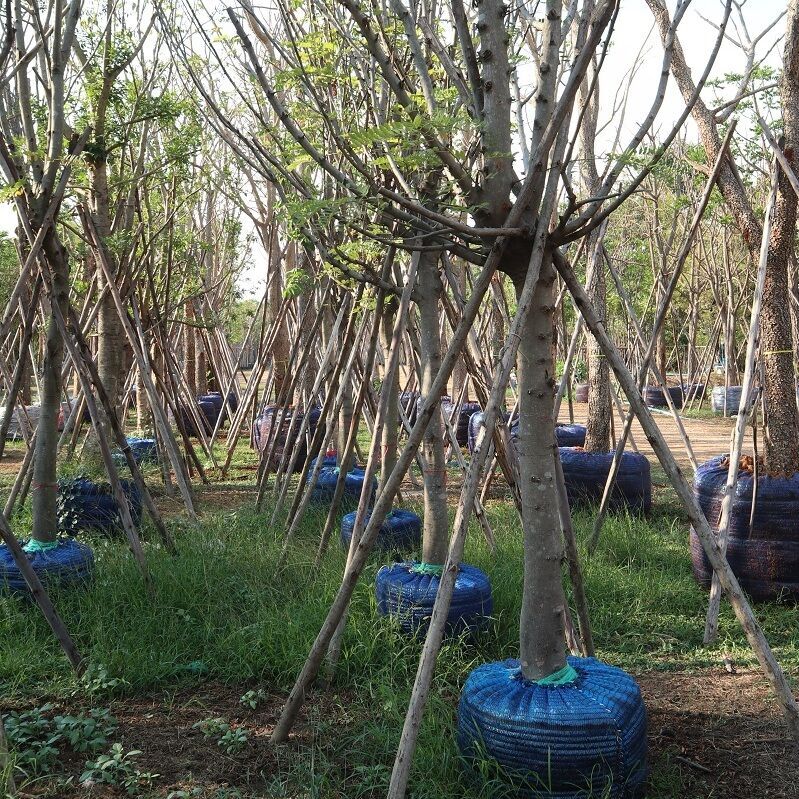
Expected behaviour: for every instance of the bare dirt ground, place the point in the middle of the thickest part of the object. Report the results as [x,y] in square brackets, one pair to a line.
[708,437]
[703,724]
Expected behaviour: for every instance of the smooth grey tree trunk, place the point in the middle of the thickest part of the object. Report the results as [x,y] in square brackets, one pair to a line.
[389,442]
[542,633]
[597,436]
[436,521]
[45,490]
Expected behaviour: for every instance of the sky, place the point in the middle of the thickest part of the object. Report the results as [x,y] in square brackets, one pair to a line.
[634,34]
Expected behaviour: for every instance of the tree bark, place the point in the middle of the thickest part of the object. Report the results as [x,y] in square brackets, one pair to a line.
[389,443]
[45,488]
[542,639]
[597,436]
[110,339]
[190,351]
[200,364]
[436,521]
[776,339]
[782,437]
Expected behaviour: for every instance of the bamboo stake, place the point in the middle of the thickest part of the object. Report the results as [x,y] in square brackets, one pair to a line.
[744,409]
[140,354]
[659,319]
[729,582]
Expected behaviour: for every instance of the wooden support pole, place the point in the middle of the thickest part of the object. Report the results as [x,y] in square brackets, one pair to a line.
[743,611]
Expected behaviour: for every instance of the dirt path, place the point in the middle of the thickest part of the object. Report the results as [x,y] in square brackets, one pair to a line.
[708,437]
[701,728]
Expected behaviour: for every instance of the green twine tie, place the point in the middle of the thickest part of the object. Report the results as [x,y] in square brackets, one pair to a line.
[34,546]
[433,569]
[563,676]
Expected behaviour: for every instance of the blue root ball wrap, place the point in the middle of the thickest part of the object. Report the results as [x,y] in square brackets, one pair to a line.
[570,435]
[726,400]
[144,450]
[400,532]
[585,737]
[69,563]
[567,435]
[585,474]
[765,558]
[91,506]
[353,485]
[407,592]
[286,436]
[468,409]
[654,396]
[475,423]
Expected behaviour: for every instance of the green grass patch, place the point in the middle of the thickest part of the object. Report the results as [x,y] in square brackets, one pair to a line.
[221,612]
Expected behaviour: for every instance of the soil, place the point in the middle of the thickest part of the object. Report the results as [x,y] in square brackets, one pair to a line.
[708,437]
[721,732]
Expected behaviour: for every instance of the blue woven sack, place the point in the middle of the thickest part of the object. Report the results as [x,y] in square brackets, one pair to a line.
[468,409]
[144,450]
[476,422]
[585,474]
[353,485]
[585,738]
[764,556]
[570,435]
[726,401]
[401,531]
[70,563]
[86,505]
[286,436]
[407,592]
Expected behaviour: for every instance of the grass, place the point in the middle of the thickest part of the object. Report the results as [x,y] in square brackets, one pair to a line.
[220,613]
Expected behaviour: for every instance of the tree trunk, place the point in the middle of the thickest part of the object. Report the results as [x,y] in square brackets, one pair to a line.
[200,364]
[45,490]
[389,442]
[597,435]
[436,521]
[776,340]
[542,639]
[274,300]
[190,351]
[110,338]
[460,374]
[782,438]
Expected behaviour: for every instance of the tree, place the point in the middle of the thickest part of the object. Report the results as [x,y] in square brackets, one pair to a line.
[782,422]
[33,149]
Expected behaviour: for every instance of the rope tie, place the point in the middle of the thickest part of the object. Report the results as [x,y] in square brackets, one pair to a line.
[778,352]
[37,486]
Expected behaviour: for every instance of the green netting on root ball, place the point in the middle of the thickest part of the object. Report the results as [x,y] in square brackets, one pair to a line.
[583,735]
